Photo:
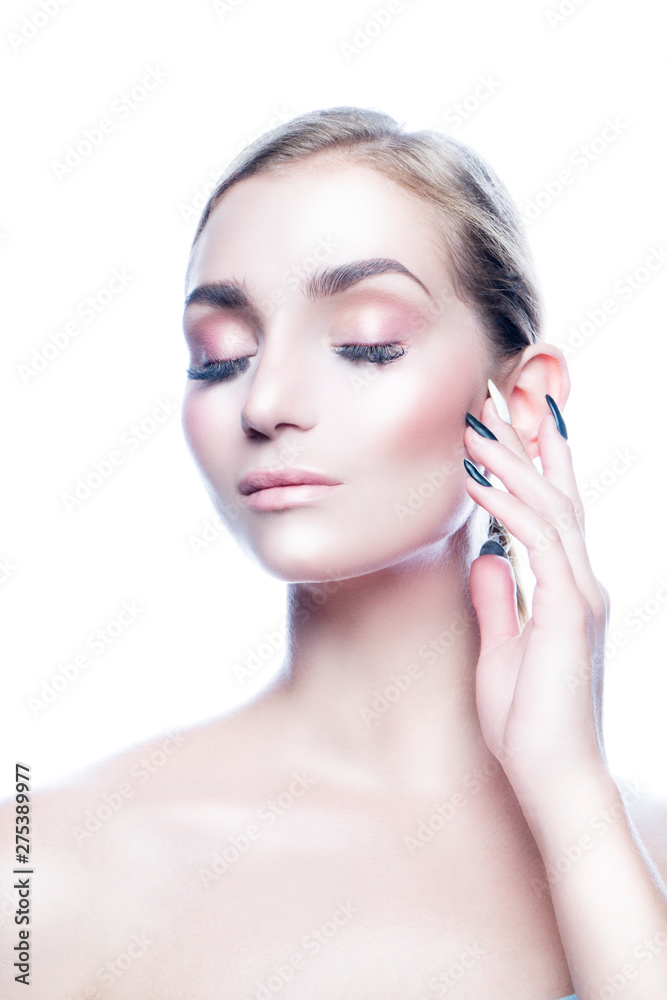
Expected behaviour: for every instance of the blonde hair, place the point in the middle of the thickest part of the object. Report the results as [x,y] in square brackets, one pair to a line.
[472,212]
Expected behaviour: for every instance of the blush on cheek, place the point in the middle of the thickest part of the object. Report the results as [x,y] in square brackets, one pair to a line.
[204,429]
[424,419]
[201,426]
[191,423]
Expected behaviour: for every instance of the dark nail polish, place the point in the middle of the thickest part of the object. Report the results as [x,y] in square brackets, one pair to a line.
[476,474]
[481,428]
[492,548]
[558,417]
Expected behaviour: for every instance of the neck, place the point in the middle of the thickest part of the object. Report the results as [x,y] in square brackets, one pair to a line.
[379,674]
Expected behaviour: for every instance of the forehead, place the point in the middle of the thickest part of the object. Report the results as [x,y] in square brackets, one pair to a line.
[320,211]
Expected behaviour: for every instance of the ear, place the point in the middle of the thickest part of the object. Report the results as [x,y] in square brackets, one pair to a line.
[541,370]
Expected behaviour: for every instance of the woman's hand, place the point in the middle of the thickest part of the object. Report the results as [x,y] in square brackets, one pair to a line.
[539,691]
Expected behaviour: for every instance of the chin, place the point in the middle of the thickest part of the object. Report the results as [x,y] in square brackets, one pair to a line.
[299,552]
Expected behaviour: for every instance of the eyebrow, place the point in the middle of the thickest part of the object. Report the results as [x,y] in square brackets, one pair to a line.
[321,284]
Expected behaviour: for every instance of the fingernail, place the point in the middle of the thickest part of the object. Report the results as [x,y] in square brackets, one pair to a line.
[478,426]
[558,417]
[492,548]
[500,404]
[476,474]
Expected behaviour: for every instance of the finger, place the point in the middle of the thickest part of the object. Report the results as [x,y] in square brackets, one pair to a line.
[558,467]
[505,433]
[556,459]
[493,594]
[557,586]
[556,462]
[549,502]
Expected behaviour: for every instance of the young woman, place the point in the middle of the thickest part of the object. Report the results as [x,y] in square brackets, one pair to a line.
[420,804]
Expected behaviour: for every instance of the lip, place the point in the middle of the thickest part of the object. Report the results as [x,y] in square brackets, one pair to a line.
[266,479]
[274,489]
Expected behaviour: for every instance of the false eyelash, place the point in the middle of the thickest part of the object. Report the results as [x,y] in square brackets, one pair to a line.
[213,370]
[376,353]
[380,354]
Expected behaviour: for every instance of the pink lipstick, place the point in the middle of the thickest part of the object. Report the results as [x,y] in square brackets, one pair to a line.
[277,489]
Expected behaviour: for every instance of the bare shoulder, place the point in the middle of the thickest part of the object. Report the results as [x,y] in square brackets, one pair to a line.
[648,813]
[108,845]
[178,768]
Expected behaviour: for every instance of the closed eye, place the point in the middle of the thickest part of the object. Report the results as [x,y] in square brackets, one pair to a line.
[214,371]
[379,354]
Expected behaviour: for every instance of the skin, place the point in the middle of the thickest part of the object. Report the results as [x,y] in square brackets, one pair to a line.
[370,593]
[382,440]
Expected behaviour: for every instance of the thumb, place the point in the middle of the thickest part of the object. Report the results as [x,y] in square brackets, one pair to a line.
[492,589]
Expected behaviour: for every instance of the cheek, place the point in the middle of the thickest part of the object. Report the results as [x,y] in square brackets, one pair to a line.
[418,420]
[195,424]
[205,425]
[405,457]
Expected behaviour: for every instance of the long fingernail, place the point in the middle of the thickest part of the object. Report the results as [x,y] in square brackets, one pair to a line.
[478,426]
[558,417]
[500,404]
[492,547]
[476,474]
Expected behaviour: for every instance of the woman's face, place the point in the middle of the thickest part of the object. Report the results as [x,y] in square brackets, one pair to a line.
[390,435]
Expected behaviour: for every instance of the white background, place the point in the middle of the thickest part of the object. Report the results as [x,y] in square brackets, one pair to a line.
[553,82]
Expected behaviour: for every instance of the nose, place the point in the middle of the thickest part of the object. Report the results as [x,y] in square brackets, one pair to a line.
[284,387]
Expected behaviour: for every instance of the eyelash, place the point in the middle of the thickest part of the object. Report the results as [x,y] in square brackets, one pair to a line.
[378,354]
[217,370]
